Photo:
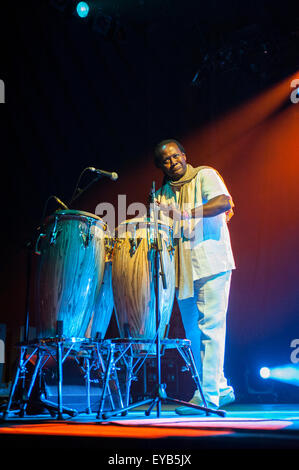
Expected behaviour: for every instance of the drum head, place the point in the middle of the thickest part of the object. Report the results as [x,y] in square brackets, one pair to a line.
[142,227]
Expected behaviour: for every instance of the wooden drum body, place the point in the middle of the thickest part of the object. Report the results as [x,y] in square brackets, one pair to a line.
[133,280]
[103,306]
[70,272]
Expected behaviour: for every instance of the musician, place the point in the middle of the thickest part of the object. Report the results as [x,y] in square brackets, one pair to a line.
[198,198]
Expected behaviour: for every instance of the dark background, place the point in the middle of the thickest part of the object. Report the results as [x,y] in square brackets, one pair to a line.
[215,75]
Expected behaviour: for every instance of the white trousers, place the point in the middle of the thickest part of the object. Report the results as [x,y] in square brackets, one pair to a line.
[204,320]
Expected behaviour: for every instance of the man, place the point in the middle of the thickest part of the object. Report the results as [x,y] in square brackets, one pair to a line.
[198,205]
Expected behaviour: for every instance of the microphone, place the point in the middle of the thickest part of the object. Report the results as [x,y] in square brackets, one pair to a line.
[60,202]
[113,176]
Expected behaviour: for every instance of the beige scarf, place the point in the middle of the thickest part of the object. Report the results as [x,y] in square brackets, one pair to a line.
[184,276]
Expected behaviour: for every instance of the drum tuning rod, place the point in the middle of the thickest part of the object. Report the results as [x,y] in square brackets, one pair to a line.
[133,246]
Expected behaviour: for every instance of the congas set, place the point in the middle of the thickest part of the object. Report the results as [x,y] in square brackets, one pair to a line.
[133,278]
[70,272]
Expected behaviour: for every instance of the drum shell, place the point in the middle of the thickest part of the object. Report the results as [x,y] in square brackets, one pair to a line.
[103,306]
[69,273]
[133,282]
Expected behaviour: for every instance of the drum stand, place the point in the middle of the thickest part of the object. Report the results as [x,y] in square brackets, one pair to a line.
[160,393]
[41,351]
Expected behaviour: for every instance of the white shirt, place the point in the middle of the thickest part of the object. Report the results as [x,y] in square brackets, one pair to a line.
[211,248]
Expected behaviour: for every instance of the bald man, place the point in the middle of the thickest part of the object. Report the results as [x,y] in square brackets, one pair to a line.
[197,204]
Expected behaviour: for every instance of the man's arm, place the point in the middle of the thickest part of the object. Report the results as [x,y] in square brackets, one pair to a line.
[215,206]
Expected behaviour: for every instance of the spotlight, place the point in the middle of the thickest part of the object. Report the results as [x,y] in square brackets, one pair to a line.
[82,9]
[265,372]
[286,373]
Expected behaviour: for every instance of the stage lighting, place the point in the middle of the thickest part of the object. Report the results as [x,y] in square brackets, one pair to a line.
[286,373]
[265,372]
[82,9]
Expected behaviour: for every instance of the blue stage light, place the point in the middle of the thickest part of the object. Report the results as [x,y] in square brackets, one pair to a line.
[82,9]
[288,373]
[265,372]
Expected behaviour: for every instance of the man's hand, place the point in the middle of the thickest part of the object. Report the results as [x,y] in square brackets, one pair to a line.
[213,207]
[172,211]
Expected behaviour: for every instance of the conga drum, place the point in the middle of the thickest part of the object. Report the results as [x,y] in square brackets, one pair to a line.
[69,274]
[133,279]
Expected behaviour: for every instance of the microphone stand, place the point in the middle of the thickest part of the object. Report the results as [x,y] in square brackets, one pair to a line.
[160,393]
[80,191]
[159,270]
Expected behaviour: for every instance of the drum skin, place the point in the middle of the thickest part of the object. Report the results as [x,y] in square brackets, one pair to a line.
[133,283]
[70,271]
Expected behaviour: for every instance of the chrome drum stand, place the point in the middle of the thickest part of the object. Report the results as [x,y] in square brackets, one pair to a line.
[133,354]
[27,388]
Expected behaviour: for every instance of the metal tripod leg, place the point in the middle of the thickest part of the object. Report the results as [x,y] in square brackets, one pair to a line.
[194,374]
[87,381]
[32,382]
[151,407]
[192,367]
[101,365]
[59,384]
[129,370]
[20,369]
[106,379]
[120,398]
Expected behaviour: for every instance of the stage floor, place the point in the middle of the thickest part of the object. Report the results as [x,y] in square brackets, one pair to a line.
[252,426]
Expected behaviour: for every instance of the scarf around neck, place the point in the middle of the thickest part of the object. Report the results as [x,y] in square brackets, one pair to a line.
[182,253]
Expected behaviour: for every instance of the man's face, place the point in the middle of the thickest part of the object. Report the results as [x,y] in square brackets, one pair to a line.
[173,161]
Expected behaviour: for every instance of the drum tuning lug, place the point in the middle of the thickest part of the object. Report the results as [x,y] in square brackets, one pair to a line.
[134,242]
[170,249]
[54,236]
[86,237]
[109,247]
[37,251]
[54,232]
[153,245]
[133,246]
